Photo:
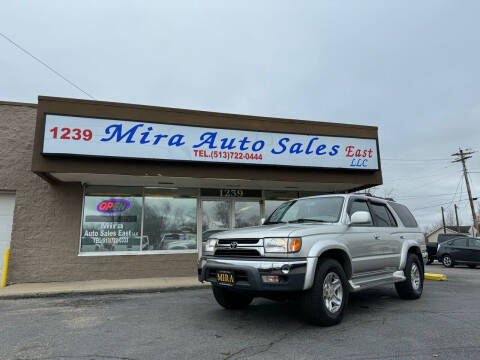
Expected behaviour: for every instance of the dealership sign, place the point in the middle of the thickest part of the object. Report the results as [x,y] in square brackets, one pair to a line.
[70,135]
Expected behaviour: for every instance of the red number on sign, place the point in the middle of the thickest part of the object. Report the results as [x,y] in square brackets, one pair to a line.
[65,136]
[78,134]
[87,135]
[54,131]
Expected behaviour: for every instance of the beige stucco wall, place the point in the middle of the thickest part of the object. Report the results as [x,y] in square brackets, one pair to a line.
[46,223]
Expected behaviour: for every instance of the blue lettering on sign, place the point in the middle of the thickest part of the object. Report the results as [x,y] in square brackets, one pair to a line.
[281,143]
[176,140]
[359,163]
[116,130]
[131,134]
[207,138]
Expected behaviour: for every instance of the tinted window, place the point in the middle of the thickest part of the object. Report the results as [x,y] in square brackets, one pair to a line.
[359,205]
[381,215]
[404,214]
[460,242]
[475,243]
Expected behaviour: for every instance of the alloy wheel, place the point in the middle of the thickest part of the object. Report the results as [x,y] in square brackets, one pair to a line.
[447,261]
[332,292]
[415,276]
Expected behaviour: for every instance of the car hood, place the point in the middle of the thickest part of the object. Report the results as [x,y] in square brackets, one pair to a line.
[281,230]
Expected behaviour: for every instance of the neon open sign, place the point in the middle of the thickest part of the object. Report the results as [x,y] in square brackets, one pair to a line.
[113,206]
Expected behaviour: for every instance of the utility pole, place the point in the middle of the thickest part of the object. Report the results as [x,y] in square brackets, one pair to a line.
[456,217]
[443,221]
[461,156]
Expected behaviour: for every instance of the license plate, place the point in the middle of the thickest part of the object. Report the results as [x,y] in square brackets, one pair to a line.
[225,278]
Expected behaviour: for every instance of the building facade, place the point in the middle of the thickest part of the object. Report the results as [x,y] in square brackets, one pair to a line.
[100,190]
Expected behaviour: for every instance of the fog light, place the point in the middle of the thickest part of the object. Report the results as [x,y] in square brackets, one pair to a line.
[270,279]
[285,269]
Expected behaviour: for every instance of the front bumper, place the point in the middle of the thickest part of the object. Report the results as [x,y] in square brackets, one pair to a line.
[248,273]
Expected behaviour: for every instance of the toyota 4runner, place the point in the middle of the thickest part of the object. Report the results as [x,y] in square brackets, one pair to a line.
[318,250]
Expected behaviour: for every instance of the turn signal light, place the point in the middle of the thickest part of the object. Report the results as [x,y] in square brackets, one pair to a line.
[270,279]
[294,244]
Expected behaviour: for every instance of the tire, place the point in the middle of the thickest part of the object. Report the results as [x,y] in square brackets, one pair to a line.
[429,261]
[447,261]
[412,287]
[472,266]
[329,274]
[229,299]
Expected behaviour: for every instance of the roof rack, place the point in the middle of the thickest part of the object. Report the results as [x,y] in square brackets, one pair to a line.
[366,193]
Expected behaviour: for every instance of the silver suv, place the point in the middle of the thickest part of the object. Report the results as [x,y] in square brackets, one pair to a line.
[318,250]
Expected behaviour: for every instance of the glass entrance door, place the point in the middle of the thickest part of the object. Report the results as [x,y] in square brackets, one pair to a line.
[246,213]
[226,214]
[215,217]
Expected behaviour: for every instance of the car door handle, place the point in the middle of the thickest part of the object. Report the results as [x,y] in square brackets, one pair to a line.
[376,237]
[402,237]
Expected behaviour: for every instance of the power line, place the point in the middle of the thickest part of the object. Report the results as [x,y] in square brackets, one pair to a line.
[396,159]
[424,196]
[432,174]
[46,65]
[432,206]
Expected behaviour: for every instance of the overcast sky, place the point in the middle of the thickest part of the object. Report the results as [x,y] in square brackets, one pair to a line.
[411,68]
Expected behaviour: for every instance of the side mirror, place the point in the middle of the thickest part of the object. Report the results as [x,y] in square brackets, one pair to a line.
[360,217]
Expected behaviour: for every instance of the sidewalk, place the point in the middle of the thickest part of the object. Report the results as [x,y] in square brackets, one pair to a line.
[97,287]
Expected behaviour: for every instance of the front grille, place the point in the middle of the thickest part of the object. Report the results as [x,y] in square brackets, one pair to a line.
[238,241]
[237,252]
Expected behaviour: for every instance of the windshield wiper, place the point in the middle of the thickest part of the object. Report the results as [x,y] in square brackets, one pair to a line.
[273,222]
[307,220]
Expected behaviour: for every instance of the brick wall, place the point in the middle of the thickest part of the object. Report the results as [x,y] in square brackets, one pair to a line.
[46,223]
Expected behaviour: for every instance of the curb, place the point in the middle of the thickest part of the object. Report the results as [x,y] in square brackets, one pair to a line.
[439,277]
[63,293]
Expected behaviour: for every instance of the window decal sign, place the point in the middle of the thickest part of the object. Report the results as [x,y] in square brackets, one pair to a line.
[71,135]
[113,206]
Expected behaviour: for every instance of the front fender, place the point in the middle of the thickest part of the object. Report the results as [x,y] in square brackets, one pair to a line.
[317,250]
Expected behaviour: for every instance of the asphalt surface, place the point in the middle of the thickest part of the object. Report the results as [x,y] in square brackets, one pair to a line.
[443,324]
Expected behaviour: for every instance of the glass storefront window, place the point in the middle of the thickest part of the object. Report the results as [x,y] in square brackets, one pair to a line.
[119,219]
[112,219]
[169,224]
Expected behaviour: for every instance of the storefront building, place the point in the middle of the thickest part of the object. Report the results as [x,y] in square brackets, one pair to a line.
[102,190]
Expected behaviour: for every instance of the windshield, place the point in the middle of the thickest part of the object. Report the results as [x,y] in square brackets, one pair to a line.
[321,209]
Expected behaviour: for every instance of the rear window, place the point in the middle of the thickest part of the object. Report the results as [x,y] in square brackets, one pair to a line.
[382,215]
[404,214]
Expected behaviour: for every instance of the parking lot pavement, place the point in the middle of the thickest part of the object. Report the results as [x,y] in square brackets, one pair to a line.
[443,324]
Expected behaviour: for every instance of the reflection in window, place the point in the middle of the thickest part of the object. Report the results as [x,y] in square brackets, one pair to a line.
[215,217]
[247,213]
[169,224]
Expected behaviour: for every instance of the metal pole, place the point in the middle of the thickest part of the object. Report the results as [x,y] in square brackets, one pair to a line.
[443,221]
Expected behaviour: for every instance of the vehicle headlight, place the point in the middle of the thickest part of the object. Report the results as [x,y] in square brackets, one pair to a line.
[282,245]
[210,245]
